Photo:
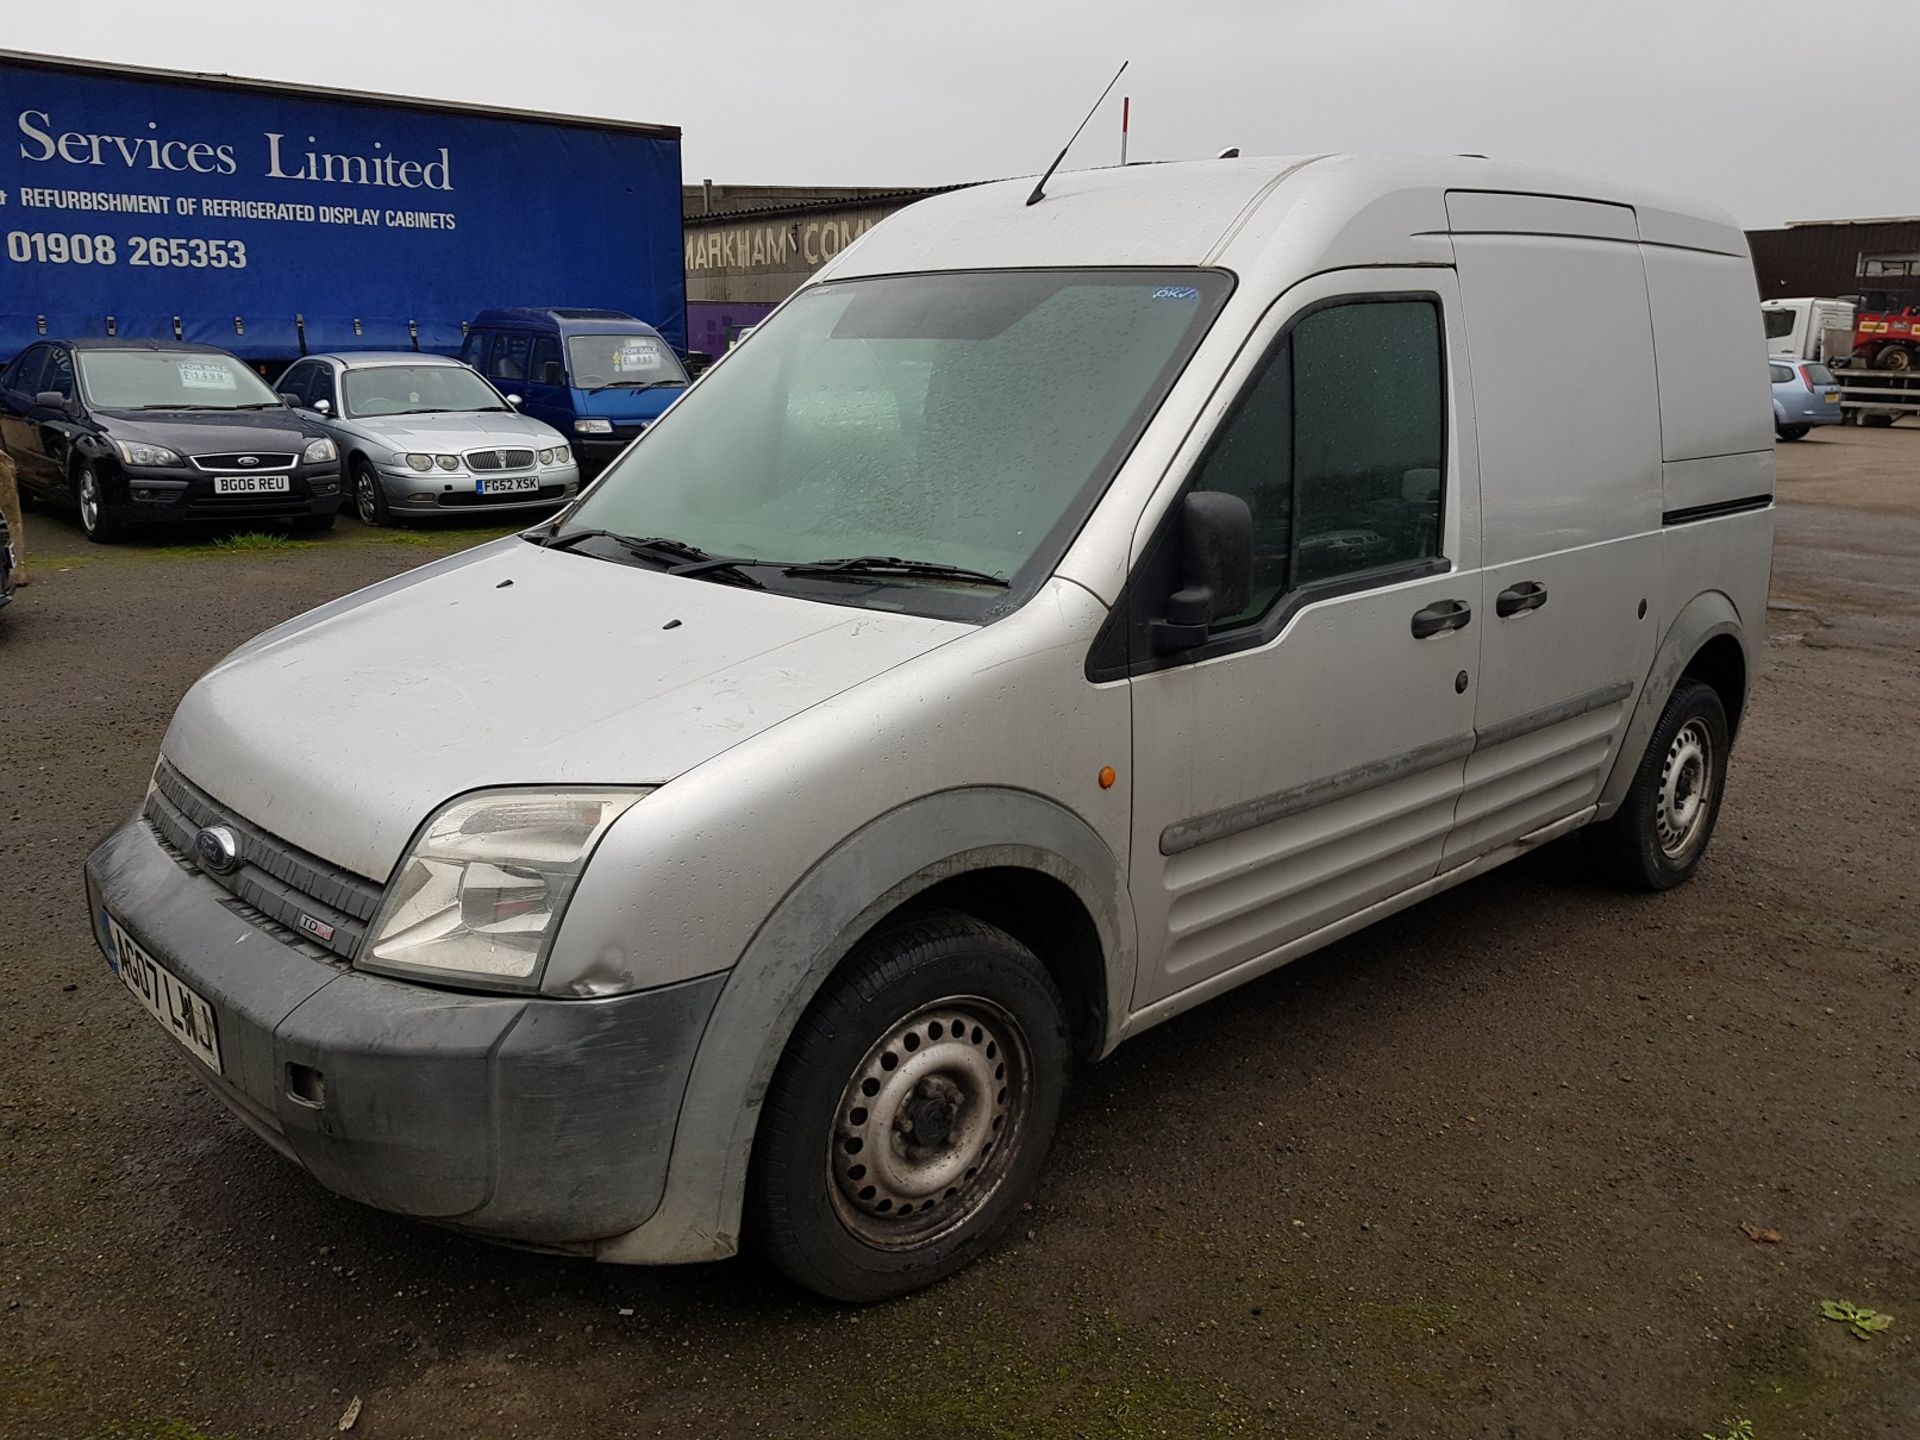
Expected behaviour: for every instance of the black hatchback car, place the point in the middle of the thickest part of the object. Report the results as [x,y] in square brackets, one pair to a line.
[131,432]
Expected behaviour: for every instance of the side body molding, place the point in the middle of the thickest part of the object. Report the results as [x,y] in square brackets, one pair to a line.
[1708,614]
[891,859]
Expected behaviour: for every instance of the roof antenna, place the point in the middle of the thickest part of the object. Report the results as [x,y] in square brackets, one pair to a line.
[1040,186]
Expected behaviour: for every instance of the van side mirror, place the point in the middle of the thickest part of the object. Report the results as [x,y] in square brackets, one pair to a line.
[1216,570]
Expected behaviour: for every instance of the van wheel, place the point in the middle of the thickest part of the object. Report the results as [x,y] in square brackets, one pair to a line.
[911,1112]
[1656,838]
[369,495]
[1792,432]
[1876,420]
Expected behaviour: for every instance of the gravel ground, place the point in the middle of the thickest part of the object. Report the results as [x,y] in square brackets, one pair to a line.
[1479,1171]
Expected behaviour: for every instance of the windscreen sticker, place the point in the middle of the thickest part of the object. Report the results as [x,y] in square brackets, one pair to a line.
[637,355]
[1176,292]
[205,375]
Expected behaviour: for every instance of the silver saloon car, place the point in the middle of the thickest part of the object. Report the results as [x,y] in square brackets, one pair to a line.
[427,435]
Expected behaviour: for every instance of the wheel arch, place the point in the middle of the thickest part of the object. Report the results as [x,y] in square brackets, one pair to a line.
[1706,642]
[987,852]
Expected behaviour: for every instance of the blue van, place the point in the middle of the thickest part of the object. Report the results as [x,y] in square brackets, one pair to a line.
[599,377]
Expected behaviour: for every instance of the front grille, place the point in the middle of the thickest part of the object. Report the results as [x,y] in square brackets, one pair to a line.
[241,461]
[278,881]
[491,460]
[467,499]
[238,507]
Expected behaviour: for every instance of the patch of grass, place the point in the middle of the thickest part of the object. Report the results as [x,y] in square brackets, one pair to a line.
[1093,1380]
[1741,1429]
[248,540]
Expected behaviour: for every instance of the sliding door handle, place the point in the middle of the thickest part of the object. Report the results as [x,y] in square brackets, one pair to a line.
[1440,616]
[1520,598]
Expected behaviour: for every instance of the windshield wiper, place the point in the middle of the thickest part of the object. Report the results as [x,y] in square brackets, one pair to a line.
[881,566]
[676,557]
[640,384]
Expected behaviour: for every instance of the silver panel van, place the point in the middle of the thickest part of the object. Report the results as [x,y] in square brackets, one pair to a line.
[1058,615]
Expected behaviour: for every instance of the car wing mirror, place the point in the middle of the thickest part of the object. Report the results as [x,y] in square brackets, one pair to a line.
[1216,570]
[323,407]
[52,399]
[513,400]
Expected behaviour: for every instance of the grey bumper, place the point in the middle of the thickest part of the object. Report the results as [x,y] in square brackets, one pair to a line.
[525,1119]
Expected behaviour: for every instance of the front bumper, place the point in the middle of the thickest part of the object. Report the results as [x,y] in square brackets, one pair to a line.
[150,493]
[596,452]
[455,494]
[546,1122]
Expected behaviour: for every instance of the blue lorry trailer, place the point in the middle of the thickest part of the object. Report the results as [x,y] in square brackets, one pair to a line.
[279,220]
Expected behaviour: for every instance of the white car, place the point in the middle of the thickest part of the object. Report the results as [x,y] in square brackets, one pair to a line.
[1060,614]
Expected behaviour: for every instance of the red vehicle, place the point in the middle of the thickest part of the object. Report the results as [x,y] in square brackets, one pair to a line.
[1887,339]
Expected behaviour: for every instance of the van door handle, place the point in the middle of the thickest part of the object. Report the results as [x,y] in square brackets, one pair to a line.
[1441,615]
[1518,599]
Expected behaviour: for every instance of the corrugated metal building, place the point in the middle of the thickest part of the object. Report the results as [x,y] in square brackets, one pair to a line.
[748,247]
[1839,257]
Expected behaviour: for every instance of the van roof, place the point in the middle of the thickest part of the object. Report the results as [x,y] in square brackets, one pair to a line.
[1321,211]
[573,320]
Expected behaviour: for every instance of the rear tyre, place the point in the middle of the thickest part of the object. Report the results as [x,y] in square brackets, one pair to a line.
[912,1111]
[1792,432]
[95,522]
[1657,837]
[1893,357]
[369,496]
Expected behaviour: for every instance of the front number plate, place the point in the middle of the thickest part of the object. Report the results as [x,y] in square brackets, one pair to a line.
[168,998]
[514,485]
[250,484]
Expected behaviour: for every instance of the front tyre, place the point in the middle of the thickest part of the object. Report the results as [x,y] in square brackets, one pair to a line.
[911,1112]
[95,522]
[1792,432]
[369,495]
[1657,837]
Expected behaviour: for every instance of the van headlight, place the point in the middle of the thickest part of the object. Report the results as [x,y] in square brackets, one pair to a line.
[593,426]
[480,895]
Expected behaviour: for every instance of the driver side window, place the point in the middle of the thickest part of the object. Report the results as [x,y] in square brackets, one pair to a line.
[1338,446]
[59,372]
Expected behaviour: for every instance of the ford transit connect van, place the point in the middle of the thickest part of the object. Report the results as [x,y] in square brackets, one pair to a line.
[599,377]
[1058,615]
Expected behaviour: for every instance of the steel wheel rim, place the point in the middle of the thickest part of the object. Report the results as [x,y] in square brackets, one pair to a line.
[363,498]
[89,501]
[1686,790]
[930,1122]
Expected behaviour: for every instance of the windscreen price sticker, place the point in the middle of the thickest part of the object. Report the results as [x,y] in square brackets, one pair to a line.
[205,375]
[637,355]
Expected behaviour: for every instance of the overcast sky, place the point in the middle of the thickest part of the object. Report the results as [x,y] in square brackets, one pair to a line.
[1716,98]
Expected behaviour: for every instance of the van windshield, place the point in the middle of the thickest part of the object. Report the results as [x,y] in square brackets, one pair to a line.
[609,362]
[1779,323]
[966,420]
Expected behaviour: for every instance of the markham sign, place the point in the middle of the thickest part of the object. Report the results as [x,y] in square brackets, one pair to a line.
[801,245]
